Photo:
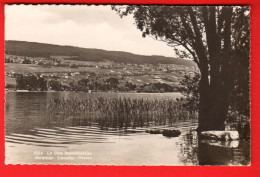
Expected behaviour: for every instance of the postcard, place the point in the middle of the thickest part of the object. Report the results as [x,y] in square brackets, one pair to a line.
[127,85]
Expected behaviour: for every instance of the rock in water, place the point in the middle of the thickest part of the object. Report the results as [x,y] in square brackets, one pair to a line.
[171,133]
[164,132]
[154,131]
[220,135]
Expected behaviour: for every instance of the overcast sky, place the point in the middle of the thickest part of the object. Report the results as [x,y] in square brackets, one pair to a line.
[79,25]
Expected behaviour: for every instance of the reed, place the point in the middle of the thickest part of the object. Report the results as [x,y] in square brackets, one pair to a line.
[118,112]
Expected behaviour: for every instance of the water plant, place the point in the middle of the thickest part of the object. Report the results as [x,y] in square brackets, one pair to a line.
[119,112]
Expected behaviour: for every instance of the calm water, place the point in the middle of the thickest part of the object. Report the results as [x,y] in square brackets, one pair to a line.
[32,138]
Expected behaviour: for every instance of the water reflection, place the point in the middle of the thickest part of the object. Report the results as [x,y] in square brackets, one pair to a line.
[24,111]
[224,153]
[194,151]
[28,128]
[189,148]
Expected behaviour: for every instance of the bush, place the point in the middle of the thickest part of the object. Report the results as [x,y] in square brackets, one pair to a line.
[189,88]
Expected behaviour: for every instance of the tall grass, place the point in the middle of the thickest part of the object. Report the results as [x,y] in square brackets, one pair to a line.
[118,112]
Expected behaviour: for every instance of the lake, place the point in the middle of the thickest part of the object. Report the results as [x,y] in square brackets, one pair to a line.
[32,138]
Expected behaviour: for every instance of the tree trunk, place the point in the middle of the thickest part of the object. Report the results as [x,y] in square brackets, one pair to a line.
[203,104]
[213,107]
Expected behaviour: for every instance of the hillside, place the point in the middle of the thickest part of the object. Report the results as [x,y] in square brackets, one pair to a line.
[34,49]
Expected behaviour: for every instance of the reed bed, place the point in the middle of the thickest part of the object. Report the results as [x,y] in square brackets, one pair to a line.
[118,112]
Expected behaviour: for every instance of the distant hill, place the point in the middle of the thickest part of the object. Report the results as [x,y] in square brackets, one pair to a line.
[35,49]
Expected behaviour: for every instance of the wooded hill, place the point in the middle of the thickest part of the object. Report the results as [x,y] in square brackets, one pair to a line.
[34,49]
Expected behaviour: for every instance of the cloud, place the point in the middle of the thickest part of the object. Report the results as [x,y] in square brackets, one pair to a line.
[79,25]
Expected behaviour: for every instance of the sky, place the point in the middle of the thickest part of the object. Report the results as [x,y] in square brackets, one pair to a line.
[81,26]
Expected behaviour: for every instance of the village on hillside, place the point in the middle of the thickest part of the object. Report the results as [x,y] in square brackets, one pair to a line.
[62,73]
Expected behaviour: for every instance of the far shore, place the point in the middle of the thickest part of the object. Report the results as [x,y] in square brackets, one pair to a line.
[19,91]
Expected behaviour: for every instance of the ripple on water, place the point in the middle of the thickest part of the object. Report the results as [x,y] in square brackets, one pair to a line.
[69,135]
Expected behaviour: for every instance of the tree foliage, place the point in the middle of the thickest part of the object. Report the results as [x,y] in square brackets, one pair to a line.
[26,61]
[197,29]
[217,38]
[31,83]
[55,85]
[155,88]
[113,82]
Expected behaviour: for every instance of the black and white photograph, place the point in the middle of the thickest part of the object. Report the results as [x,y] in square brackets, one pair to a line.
[127,85]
